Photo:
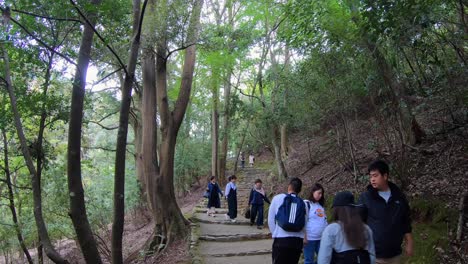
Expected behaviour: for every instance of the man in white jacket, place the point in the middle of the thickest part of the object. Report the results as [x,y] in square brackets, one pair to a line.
[287,245]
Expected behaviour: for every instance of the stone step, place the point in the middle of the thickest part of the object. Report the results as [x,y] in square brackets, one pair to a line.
[221,232]
[199,209]
[219,219]
[231,238]
[238,248]
[257,259]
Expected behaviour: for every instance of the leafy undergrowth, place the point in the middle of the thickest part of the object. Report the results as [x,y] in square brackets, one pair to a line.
[433,226]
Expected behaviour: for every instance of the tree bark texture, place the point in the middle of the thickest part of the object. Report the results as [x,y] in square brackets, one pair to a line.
[214,125]
[120,156]
[225,142]
[11,199]
[75,185]
[282,173]
[37,199]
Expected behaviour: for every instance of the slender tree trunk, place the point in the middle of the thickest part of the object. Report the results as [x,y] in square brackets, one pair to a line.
[120,157]
[226,117]
[214,126]
[409,127]
[39,144]
[37,199]
[75,186]
[282,173]
[149,127]
[239,150]
[12,199]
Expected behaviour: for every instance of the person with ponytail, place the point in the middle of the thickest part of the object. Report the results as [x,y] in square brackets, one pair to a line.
[348,240]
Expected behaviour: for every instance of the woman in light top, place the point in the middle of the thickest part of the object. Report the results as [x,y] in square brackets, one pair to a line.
[348,239]
[316,223]
[231,196]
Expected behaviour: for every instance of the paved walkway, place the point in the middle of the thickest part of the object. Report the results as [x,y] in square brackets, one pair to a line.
[224,242]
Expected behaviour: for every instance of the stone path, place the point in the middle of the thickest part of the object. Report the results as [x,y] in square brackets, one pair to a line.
[222,242]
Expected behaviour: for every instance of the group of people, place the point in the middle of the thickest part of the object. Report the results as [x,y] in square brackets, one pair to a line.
[369,231]
[257,198]
[251,159]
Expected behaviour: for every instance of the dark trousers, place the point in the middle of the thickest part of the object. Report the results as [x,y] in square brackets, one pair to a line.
[257,210]
[232,205]
[287,250]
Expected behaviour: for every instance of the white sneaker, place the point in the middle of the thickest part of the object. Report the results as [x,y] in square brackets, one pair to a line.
[233,220]
[227,216]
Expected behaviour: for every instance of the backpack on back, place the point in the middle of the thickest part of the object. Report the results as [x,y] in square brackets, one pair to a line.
[291,214]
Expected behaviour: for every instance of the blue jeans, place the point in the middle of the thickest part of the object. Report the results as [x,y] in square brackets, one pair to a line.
[311,249]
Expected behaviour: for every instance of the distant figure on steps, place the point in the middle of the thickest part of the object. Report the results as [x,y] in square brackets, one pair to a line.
[251,159]
[242,158]
[256,200]
[213,196]
[231,196]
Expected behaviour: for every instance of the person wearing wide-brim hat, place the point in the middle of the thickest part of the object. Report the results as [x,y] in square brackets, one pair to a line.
[347,240]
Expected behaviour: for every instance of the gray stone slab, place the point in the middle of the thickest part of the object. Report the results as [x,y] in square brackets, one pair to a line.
[219,219]
[257,259]
[240,248]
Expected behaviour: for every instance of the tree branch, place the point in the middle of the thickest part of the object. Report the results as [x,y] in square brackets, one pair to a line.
[122,65]
[47,17]
[39,40]
[16,186]
[103,126]
[178,49]
[107,76]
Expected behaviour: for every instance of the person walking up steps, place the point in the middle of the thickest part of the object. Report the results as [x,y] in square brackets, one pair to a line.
[256,200]
[287,218]
[348,240]
[231,196]
[388,215]
[242,158]
[213,196]
[251,159]
[317,221]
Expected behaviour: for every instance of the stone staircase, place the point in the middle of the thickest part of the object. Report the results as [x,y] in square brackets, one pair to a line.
[220,241]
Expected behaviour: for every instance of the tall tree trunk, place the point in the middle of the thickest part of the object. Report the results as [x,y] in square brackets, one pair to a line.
[214,125]
[37,199]
[149,126]
[75,185]
[225,142]
[284,141]
[120,156]
[282,173]
[170,222]
[11,199]
[40,139]
[239,150]
[412,133]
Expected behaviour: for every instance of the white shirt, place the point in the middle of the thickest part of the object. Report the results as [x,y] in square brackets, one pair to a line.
[385,195]
[251,158]
[317,220]
[228,188]
[276,230]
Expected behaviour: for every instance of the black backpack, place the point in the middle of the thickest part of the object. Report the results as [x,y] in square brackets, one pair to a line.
[355,256]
